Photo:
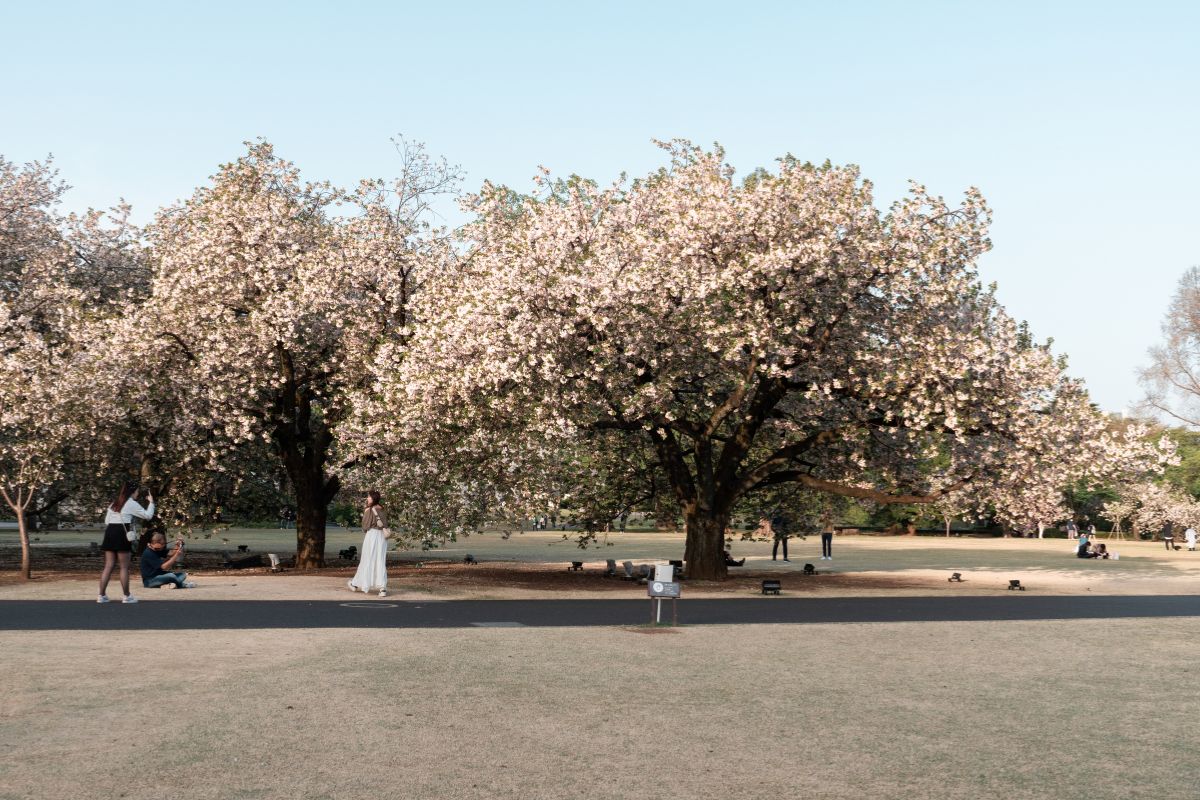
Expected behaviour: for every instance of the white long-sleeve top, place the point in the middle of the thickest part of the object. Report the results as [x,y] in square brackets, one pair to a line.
[125,516]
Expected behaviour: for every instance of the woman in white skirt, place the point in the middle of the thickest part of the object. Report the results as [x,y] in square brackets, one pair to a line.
[372,562]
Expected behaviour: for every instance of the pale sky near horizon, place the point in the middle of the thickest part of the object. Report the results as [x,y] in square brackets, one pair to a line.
[1078,120]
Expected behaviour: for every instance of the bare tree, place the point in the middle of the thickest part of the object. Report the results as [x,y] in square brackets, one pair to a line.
[1172,380]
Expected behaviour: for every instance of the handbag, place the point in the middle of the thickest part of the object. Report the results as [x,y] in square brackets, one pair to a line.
[387,532]
[130,533]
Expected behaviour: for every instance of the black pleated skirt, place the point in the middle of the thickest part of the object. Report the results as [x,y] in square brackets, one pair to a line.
[115,539]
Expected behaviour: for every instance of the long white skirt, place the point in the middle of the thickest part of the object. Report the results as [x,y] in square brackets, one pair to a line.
[372,563]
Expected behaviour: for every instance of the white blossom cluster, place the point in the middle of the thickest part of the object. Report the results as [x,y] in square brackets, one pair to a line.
[683,339]
[774,329]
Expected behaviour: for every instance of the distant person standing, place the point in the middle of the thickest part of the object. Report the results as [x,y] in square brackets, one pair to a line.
[1190,537]
[781,530]
[1168,535]
[372,562]
[1072,531]
[827,540]
[119,536]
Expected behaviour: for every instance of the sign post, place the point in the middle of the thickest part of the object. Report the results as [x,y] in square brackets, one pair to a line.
[661,587]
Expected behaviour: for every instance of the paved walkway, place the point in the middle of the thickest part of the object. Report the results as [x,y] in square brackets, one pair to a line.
[183,614]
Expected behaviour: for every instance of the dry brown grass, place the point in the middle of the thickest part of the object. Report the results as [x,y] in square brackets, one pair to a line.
[912,710]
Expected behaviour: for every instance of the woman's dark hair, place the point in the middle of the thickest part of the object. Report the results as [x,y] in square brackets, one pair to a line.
[375,498]
[127,490]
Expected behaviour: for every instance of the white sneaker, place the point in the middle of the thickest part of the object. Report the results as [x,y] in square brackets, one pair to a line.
[383,592]
[188,585]
[101,598]
[787,561]
[169,586]
[129,599]
[350,586]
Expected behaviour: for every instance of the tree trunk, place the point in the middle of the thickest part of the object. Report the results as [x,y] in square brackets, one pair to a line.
[23,530]
[947,527]
[311,517]
[313,495]
[705,550]
[19,504]
[150,480]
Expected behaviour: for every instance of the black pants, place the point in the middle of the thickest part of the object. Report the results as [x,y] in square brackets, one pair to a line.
[775,547]
[827,545]
[1168,541]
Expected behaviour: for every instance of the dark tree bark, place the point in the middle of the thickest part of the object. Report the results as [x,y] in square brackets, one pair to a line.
[302,438]
[151,480]
[705,549]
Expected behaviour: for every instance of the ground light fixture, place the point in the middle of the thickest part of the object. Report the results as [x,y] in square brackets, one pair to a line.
[955,577]
[1015,584]
[771,587]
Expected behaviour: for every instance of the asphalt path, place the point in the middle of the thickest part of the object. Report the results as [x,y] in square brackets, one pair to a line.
[186,614]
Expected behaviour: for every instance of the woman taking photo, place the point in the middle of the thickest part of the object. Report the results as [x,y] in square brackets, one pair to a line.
[119,536]
[372,564]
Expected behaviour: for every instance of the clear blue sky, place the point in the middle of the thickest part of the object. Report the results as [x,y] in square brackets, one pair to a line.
[1078,120]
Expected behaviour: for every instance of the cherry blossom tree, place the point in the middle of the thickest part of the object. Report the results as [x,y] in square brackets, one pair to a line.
[56,274]
[272,297]
[777,329]
[1148,507]
[1084,447]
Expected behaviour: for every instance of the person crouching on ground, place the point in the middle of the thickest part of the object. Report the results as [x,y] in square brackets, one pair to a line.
[155,565]
[119,536]
[372,563]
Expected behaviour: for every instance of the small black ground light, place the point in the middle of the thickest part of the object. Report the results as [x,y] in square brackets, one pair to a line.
[809,569]
[470,559]
[955,577]
[1015,584]
[771,587]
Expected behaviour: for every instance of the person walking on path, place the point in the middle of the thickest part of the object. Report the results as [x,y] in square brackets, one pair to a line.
[1168,535]
[372,563]
[827,540]
[781,530]
[119,536]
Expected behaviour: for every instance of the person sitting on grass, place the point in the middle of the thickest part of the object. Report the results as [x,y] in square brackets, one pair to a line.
[730,561]
[1085,549]
[155,564]
[1101,550]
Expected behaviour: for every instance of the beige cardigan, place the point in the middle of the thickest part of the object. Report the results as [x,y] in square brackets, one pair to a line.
[374,517]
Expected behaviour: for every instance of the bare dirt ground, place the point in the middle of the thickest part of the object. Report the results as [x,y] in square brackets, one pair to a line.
[533,565]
